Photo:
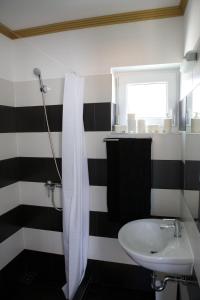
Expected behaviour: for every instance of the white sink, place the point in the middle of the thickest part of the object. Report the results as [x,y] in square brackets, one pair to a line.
[157,249]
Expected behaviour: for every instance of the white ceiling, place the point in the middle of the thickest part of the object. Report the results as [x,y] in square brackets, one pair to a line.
[18,14]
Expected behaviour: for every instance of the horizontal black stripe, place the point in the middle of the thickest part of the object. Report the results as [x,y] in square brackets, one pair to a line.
[39,217]
[7,119]
[47,218]
[9,223]
[100,225]
[9,171]
[96,116]
[192,175]
[97,172]
[38,169]
[29,216]
[32,118]
[166,174]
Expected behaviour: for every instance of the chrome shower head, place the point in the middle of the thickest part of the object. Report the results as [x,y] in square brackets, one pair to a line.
[43,88]
[37,72]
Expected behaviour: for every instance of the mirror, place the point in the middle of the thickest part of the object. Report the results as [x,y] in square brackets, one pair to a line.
[191,150]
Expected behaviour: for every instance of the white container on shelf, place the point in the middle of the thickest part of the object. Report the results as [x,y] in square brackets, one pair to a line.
[167,125]
[153,128]
[120,128]
[131,123]
[141,126]
[195,124]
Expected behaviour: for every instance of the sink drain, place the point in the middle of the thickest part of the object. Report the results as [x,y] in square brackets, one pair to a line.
[153,251]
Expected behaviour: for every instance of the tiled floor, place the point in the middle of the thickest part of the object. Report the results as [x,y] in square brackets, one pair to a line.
[101,292]
[33,276]
[40,276]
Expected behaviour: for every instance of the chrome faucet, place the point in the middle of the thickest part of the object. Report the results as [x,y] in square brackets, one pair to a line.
[172,223]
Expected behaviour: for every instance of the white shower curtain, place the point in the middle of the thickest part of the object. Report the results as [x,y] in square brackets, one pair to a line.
[75,185]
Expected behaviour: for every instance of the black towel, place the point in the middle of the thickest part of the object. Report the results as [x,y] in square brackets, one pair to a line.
[129,179]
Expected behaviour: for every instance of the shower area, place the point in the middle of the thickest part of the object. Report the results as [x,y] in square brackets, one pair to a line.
[38,124]
[46,236]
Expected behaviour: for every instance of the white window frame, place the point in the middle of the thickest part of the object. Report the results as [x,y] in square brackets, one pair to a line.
[123,78]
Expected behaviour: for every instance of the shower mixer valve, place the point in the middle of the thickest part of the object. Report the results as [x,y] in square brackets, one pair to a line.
[50,185]
[50,189]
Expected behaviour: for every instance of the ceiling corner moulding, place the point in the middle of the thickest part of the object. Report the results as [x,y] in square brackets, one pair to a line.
[120,18]
[7,32]
[183,5]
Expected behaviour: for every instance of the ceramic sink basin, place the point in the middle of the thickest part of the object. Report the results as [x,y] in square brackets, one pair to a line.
[157,249]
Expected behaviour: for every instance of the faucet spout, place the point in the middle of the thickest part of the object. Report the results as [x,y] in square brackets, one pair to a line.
[172,223]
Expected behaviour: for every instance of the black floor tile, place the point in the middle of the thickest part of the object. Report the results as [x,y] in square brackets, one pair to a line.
[33,276]
[101,292]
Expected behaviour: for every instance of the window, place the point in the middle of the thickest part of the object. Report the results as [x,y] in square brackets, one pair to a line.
[150,94]
[147,100]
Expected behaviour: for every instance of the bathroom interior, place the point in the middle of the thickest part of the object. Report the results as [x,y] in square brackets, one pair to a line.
[100,149]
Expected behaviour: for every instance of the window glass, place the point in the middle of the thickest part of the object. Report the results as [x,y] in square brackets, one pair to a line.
[147,100]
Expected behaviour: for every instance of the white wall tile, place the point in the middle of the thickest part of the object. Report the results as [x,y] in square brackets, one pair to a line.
[192,199]
[192,146]
[165,202]
[98,198]
[10,248]
[28,93]
[98,88]
[100,248]
[8,145]
[95,146]
[166,146]
[9,198]
[6,57]
[107,249]
[7,96]
[37,144]
[43,240]
[35,193]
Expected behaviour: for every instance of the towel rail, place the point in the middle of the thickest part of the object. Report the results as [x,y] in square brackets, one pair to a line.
[111,140]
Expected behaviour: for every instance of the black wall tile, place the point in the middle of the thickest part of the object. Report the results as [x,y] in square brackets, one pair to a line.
[9,223]
[192,175]
[97,171]
[7,119]
[30,119]
[8,171]
[38,169]
[167,174]
[102,113]
[100,225]
[89,117]
[54,113]
[97,116]
[38,217]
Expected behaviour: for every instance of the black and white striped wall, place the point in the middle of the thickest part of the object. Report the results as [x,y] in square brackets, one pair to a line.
[42,225]
[28,219]
[11,237]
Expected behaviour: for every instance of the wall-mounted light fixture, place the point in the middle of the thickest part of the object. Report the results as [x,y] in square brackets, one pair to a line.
[191,56]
